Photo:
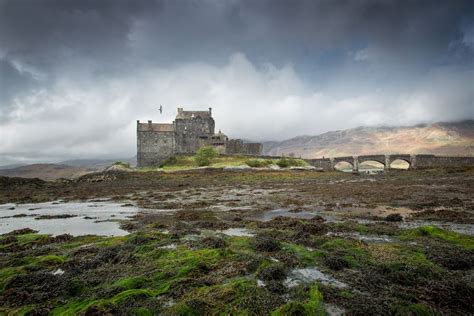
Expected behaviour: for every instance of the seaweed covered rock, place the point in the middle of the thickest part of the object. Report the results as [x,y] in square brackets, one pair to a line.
[266,244]
[451,256]
[336,261]
[394,218]
[212,242]
[272,272]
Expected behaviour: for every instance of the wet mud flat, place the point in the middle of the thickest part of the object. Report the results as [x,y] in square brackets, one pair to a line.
[287,243]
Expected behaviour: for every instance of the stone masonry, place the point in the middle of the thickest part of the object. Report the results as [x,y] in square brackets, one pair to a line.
[191,130]
[414,161]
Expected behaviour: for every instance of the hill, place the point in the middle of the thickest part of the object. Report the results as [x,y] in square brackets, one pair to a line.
[45,171]
[438,138]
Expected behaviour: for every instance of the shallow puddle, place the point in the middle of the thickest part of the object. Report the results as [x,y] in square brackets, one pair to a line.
[75,218]
[308,275]
[269,215]
[170,246]
[334,310]
[366,238]
[239,232]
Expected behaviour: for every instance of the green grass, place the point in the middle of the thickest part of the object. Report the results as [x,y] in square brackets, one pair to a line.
[313,306]
[131,283]
[30,238]
[188,162]
[50,260]
[291,162]
[7,273]
[412,309]
[239,296]
[353,251]
[78,307]
[462,240]
[303,254]
[122,164]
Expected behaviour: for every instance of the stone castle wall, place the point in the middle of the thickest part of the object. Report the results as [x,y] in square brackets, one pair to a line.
[153,147]
[190,131]
[237,146]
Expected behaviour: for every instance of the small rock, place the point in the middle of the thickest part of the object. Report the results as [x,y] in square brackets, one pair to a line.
[394,218]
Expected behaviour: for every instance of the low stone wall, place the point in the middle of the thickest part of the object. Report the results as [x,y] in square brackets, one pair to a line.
[324,163]
[431,161]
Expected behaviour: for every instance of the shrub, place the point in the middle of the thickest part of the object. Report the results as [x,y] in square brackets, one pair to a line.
[283,163]
[205,155]
[169,162]
[290,162]
[258,163]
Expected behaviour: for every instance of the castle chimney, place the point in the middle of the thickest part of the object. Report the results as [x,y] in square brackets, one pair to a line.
[149,122]
[210,111]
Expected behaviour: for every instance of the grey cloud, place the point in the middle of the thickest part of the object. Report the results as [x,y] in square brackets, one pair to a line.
[13,82]
[102,64]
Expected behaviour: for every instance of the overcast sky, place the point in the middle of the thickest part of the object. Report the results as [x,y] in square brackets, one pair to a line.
[76,75]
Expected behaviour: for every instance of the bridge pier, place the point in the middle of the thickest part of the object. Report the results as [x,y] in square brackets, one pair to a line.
[412,162]
[386,166]
[355,165]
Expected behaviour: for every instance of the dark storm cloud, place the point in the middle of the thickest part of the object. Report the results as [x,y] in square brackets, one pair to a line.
[115,59]
[47,32]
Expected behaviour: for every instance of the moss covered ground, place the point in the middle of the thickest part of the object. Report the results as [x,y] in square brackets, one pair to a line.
[183,263]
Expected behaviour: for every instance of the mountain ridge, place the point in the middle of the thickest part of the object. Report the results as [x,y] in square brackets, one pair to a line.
[442,138]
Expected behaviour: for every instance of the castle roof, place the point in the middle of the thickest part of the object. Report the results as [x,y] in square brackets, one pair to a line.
[191,114]
[156,127]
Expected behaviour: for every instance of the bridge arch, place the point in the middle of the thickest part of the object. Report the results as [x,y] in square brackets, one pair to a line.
[400,164]
[342,165]
[378,158]
[371,166]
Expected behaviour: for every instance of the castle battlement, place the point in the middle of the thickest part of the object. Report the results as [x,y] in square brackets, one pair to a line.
[191,130]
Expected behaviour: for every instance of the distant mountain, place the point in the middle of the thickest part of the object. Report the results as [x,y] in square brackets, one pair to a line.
[11,166]
[45,171]
[438,138]
[97,164]
[65,169]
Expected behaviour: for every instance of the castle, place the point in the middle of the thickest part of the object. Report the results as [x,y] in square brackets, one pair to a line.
[191,130]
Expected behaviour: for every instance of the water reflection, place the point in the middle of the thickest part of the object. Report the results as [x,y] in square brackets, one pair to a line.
[75,218]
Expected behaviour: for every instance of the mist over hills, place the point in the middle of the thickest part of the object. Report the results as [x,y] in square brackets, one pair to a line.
[439,138]
[455,138]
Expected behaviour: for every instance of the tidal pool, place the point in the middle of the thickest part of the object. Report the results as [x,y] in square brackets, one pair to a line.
[308,275]
[239,232]
[79,218]
[269,215]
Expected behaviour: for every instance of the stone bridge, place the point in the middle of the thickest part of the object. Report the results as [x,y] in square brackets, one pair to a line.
[414,161]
